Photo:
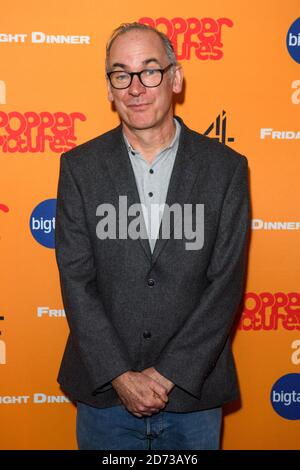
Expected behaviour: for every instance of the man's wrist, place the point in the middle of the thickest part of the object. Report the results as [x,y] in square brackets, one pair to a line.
[120,378]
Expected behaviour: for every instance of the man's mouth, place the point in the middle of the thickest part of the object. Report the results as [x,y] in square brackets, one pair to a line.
[138,105]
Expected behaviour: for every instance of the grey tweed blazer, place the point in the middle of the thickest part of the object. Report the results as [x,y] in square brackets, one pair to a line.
[128,309]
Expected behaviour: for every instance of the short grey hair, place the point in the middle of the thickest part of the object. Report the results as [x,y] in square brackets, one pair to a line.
[125,27]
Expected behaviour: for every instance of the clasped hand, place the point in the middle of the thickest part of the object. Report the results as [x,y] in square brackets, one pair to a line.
[143,393]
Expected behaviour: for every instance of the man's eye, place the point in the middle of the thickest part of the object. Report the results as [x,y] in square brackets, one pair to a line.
[150,72]
[121,76]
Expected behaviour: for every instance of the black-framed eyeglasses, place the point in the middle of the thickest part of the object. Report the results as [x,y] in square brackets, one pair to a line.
[150,78]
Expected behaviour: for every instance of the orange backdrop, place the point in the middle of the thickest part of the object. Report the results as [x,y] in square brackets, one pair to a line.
[240,81]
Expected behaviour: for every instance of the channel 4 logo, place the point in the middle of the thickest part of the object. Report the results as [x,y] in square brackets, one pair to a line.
[285,396]
[42,223]
[217,129]
[293,40]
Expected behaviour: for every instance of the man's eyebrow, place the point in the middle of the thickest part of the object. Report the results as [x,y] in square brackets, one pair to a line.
[118,64]
[145,62]
[152,59]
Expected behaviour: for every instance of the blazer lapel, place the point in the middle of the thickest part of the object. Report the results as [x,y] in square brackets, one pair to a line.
[189,162]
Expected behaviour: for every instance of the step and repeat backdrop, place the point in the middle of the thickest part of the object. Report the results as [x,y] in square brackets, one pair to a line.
[241,62]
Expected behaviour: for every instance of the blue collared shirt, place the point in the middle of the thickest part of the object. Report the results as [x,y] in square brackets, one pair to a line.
[153,181]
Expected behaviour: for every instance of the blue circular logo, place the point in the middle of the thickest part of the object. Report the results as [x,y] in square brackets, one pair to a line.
[293,40]
[285,396]
[42,223]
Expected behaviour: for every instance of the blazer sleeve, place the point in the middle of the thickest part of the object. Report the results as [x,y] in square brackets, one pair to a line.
[95,339]
[192,353]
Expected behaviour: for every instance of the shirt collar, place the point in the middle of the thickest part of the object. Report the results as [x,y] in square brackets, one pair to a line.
[172,144]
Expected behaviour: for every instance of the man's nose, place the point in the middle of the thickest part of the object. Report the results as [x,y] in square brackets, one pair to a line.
[136,87]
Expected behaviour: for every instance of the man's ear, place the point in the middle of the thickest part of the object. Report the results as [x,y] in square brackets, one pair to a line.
[177,79]
[110,95]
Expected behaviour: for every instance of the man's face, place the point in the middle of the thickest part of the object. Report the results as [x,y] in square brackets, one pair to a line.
[140,107]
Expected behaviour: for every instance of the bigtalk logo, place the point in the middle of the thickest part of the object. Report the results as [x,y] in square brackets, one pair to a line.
[285,396]
[293,41]
[42,223]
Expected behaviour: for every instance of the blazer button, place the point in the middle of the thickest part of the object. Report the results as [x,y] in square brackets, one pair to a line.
[151,282]
[147,334]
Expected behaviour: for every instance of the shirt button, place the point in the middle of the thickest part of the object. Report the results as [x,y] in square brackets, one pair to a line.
[150,282]
[147,334]
[151,171]
[150,194]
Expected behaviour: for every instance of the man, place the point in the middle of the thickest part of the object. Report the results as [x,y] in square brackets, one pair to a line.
[148,359]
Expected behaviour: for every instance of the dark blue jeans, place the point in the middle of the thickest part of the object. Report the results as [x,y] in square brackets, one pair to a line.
[115,428]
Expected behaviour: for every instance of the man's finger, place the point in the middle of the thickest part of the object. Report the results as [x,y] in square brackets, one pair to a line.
[162,397]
